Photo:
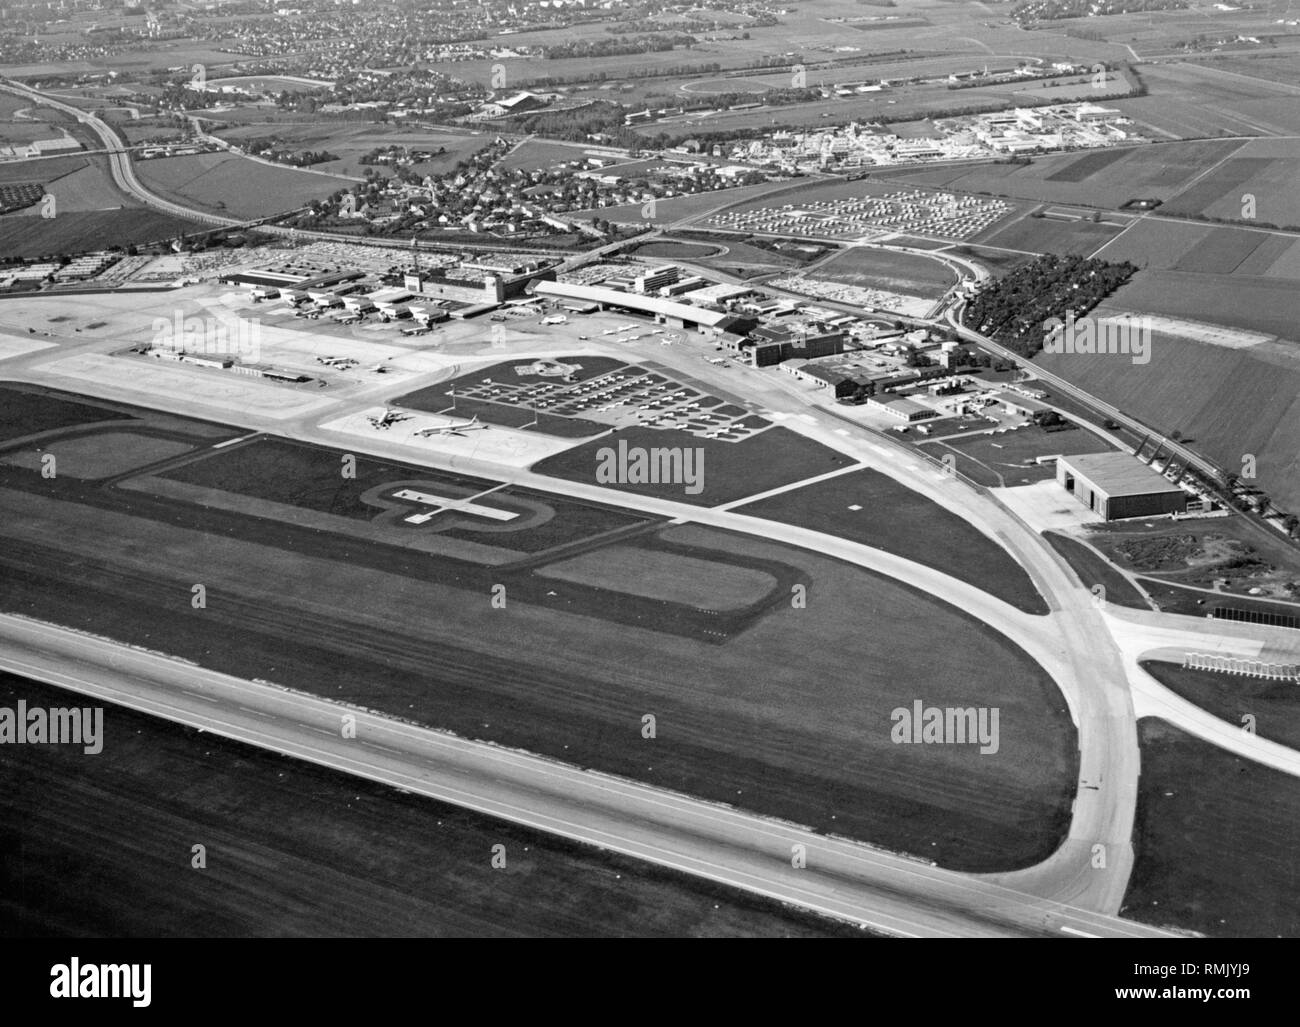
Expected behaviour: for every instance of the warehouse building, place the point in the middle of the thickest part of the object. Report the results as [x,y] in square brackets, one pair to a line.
[772,344]
[906,410]
[1117,485]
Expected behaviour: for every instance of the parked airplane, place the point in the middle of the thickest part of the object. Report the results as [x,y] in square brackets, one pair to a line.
[473,424]
[388,418]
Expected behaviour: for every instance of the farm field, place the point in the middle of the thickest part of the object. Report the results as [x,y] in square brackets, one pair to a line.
[1156,240]
[567,670]
[902,103]
[1059,230]
[1202,815]
[40,170]
[89,188]
[24,235]
[896,519]
[886,269]
[1274,705]
[77,184]
[1282,68]
[350,142]
[1270,306]
[11,105]
[1162,245]
[232,186]
[89,843]
[545,153]
[1008,460]
[142,131]
[1197,99]
[1257,170]
[23,133]
[1152,170]
[1226,401]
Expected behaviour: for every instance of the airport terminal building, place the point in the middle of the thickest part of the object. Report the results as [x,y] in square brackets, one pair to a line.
[1117,485]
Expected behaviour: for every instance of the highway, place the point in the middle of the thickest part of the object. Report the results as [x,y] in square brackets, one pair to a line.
[883,892]
[119,158]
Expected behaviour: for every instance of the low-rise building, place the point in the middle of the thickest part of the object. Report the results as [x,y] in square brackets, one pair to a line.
[1117,485]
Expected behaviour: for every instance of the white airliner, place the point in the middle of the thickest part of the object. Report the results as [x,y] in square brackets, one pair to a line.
[460,428]
[388,418]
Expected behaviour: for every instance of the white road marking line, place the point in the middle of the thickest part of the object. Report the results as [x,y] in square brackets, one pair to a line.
[231,442]
[1081,934]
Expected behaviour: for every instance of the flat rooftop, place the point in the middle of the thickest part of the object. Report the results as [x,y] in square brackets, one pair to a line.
[1119,474]
[633,301]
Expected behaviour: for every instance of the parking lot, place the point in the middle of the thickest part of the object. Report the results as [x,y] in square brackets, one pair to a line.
[914,211]
[627,396]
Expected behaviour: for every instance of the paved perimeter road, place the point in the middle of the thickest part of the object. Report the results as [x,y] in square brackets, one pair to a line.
[878,890]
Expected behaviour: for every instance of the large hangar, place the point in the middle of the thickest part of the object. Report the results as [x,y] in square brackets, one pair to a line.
[1117,485]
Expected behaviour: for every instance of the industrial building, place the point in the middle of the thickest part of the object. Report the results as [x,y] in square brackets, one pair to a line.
[1117,485]
[772,344]
[478,282]
[901,407]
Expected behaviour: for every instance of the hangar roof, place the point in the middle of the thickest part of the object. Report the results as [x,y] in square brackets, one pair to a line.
[1119,474]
